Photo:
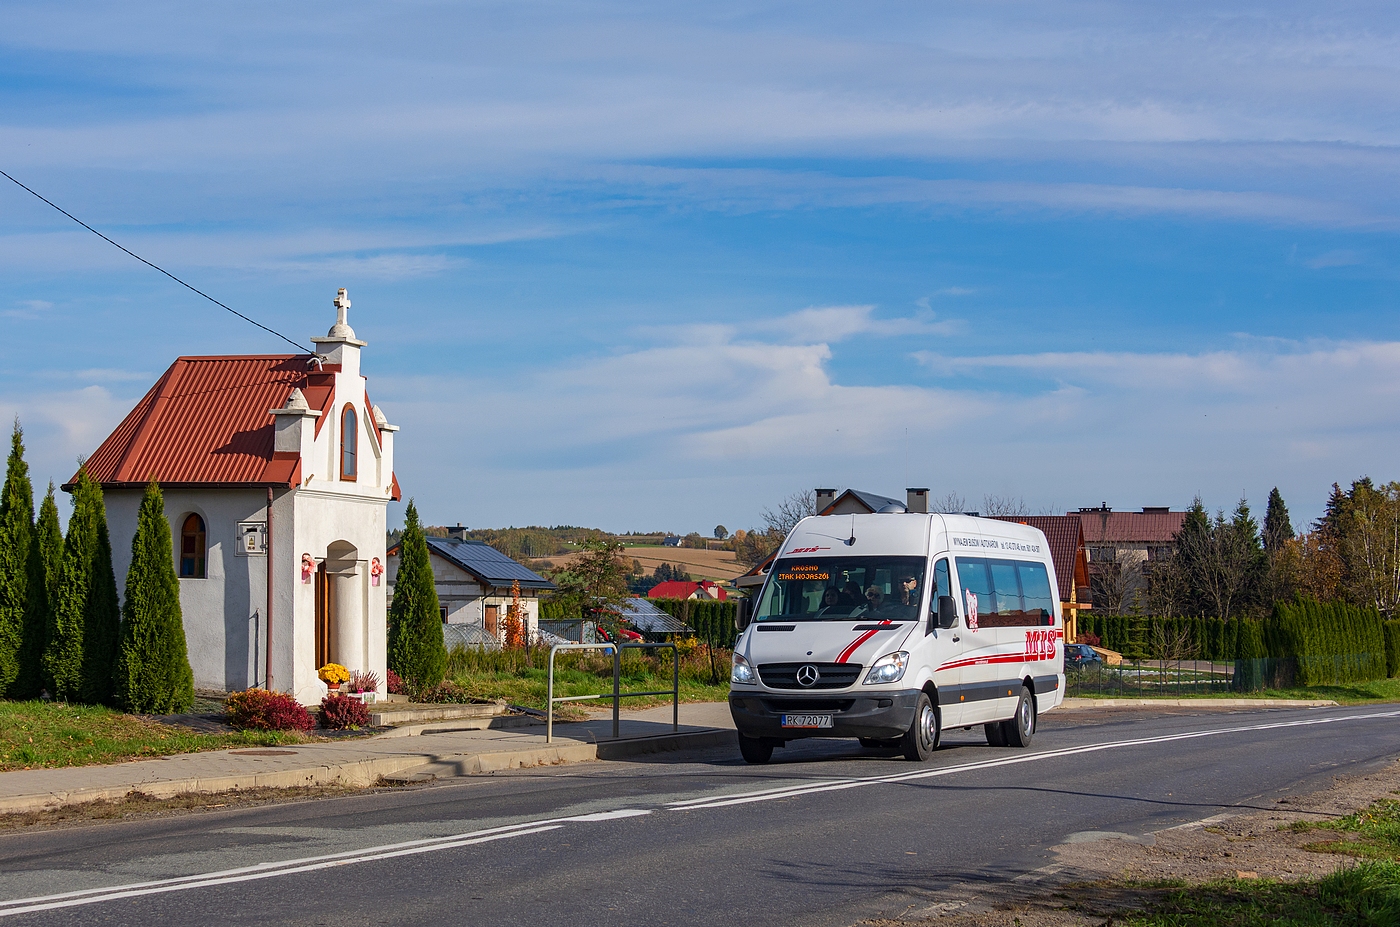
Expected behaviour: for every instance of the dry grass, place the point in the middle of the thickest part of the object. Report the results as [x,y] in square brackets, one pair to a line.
[716,565]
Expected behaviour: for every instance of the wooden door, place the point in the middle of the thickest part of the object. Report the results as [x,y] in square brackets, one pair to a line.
[493,620]
[325,615]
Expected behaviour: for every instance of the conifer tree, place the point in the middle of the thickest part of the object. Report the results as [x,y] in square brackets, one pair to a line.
[416,649]
[1278,529]
[45,566]
[16,538]
[82,640]
[152,673]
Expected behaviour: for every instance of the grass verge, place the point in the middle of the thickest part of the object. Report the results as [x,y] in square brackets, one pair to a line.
[140,805]
[1372,832]
[1365,895]
[1357,693]
[38,735]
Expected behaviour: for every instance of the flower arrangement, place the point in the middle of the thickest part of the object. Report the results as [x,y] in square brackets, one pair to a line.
[333,674]
[368,681]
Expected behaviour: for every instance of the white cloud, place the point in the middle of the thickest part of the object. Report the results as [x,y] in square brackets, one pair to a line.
[740,422]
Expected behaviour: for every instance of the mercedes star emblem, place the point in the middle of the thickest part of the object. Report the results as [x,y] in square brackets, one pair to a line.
[807,675]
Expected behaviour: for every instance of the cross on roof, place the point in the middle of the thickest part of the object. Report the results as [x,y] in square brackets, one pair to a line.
[342,303]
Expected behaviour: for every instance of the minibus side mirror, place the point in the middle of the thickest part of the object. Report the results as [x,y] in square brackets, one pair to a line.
[741,614]
[947,611]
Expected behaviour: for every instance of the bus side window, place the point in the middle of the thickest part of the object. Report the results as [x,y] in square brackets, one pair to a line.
[942,585]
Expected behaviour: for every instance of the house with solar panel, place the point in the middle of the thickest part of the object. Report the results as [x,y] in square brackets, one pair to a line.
[475,585]
[277,471]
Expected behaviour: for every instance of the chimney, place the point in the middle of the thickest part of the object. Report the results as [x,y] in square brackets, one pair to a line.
[917,501]
[824,498]
[459,532]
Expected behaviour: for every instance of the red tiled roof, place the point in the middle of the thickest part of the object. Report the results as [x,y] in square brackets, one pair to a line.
[1130,527]
[673,589]
[206,423]
[1064,534]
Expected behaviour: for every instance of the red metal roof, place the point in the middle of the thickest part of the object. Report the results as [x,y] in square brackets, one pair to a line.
[678,589]
[1101,527]
[1065,535]
[206,423]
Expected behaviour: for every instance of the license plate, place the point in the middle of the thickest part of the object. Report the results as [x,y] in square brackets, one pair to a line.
[806,720]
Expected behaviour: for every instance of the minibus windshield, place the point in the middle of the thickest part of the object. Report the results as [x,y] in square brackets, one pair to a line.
[840,588]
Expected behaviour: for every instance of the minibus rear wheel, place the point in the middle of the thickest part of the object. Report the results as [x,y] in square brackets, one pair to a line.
[757,750]
[1021,728]
[923,735]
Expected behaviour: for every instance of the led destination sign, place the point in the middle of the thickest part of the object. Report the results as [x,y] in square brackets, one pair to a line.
[805,572]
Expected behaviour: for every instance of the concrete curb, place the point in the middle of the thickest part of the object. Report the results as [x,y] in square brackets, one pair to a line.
[368,772]
[1077,703]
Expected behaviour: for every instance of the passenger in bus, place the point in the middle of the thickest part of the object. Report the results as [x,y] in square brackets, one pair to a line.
[831,599]
[908,595]
[851,595]
[874,600]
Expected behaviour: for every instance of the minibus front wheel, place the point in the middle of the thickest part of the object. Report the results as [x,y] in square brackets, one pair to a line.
[921,739]
[755,749]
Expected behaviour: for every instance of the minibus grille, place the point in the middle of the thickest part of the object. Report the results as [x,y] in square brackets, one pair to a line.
[830,675]
[808,704]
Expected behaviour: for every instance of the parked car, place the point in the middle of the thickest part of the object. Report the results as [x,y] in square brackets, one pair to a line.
[1078,656]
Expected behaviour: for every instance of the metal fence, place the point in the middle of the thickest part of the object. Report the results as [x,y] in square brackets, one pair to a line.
[1153,678]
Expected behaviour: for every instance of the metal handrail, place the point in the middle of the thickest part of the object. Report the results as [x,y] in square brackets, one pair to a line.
[617,694]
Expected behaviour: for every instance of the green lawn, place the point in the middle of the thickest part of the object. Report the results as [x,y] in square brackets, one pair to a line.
[36,735]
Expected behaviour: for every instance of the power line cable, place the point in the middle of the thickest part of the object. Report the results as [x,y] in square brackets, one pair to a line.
[151,265]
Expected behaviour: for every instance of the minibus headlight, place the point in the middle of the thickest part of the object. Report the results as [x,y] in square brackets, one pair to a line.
[889,668]
[742,672]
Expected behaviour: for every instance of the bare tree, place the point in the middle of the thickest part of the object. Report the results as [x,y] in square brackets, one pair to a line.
[1117,585]
[949,503]
[1004,506]
[789,512]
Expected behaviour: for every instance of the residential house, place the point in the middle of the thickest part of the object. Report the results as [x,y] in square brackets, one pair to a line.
[677,589]
[1124,547]
[474,583]
[276,471]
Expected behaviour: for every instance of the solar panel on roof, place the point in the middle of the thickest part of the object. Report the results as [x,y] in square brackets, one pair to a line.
[487,563]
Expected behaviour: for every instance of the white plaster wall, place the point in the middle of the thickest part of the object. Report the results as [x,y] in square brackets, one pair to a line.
[321,519]
[223,613]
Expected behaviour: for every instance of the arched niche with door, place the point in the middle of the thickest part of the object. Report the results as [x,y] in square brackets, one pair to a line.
[341,607]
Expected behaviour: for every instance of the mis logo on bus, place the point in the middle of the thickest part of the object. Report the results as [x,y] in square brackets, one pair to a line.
[807,675]
[1040,645]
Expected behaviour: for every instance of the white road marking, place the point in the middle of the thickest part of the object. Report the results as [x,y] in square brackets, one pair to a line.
[305,864]
[429,845]
[833,785]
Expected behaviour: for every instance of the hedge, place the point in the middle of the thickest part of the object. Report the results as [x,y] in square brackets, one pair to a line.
[713,621]
[1392,648]
[1330,642]
[1132,635]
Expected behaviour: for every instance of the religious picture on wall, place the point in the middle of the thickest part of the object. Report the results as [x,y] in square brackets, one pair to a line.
[376,570]
[308,566]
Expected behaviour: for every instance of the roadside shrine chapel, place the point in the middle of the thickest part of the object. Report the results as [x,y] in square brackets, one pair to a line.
[277,471]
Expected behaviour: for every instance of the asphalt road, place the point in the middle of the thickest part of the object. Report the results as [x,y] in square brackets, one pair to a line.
[827,834]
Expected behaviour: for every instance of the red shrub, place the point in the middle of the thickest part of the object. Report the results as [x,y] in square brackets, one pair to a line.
[1091,639]
[341,713]
[395,684]
[260,710]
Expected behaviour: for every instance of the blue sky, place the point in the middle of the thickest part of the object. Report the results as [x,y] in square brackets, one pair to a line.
[643,267]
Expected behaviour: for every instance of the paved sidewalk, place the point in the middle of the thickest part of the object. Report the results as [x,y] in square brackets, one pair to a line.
[1077,703]
[363,761]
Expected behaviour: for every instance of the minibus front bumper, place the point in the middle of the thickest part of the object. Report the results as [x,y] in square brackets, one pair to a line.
[881,715]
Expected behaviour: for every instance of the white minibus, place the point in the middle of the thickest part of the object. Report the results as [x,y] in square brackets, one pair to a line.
[895,627]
